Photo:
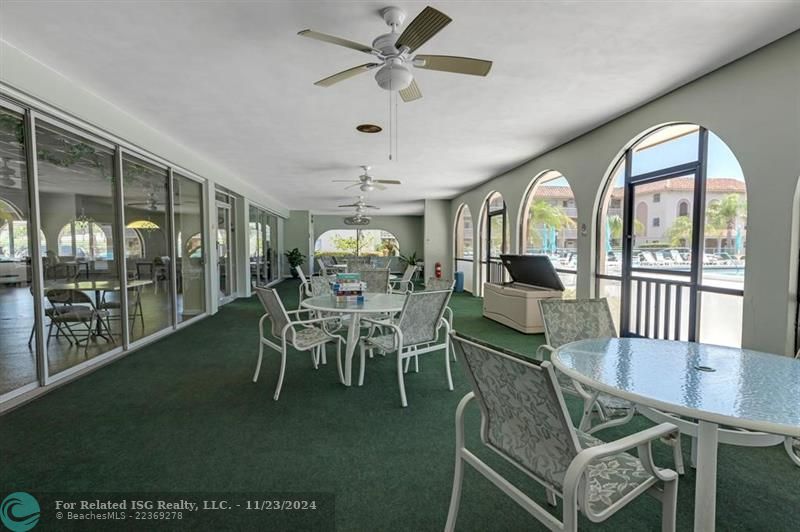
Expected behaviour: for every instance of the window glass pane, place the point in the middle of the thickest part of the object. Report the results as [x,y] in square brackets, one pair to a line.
[262,258]
[361,242]
[189,233]
[725,239]
[669,146]
[720,319]
[76,191]
[662,238]
[17,354]
[609,246]
[464,236]
[147,254]
[611,290]
[496,202]
[550,221]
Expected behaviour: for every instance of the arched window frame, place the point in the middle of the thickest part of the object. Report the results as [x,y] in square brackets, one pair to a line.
[623,162]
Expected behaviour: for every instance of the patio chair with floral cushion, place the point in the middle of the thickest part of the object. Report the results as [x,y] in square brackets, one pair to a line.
[405,283]
[303,335]
[793,444]
[524,419]
[570,320]
[413,333]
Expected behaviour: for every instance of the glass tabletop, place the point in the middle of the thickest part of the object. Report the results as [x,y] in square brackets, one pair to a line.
[736,387]
[372,303]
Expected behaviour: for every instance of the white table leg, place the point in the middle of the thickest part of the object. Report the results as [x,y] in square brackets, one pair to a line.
[705,498]
[350,348]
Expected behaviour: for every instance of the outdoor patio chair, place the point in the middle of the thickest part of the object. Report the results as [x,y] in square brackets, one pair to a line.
[524,419]
[405,284]
[435,283]
[323,266]
[304,289]
[570,320]
[75,308]
[302,335]
[413,333]
[377,281]
[793,444]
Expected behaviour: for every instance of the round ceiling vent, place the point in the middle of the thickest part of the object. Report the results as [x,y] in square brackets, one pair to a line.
[369,128]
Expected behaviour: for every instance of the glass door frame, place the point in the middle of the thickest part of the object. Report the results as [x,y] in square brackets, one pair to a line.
[488,239]
[225,295]
[696,286]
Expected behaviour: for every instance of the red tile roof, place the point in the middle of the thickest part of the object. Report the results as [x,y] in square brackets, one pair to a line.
[714,184]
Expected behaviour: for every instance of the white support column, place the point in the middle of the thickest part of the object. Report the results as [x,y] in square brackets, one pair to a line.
[212,258]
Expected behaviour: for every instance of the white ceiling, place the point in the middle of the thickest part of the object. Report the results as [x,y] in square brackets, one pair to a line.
[233,81]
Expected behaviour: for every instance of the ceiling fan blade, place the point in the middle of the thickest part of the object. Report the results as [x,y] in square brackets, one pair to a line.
[372,207]
[356,184]
[428,23]
[324,37]
[387,181]
[411,93]
[377,186]
[350,205]
[345,181]
[455,64]
[345,74]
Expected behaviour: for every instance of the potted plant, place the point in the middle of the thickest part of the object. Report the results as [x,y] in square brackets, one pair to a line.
[295,259]
[409,260]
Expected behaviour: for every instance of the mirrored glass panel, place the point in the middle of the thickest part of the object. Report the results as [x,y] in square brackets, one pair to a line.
[147,255]
[17,345]
[189,252]
[78,219]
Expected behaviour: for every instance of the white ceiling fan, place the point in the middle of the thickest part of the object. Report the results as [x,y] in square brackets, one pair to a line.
[367,183]
[360,205]
[395,53]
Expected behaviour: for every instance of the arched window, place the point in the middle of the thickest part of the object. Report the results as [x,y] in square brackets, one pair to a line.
[357,242]
[14,234]
[86,240]
[670,272]
[549,225]
[463,237]
[495,238]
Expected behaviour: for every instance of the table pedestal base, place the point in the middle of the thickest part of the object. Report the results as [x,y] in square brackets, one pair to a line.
[705,495]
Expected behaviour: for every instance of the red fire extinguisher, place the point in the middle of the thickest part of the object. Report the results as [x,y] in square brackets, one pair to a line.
[438,270]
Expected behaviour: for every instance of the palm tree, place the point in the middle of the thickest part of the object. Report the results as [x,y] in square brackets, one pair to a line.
[680,233]
[543,213]
[721,215]
[615,226]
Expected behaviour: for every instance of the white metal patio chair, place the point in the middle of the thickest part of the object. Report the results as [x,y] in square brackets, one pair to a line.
[435,283]
[413,333]
[405,283]
[303,335]
[304,288]
[377,281]
[570,320]
[524,419]
[792,445]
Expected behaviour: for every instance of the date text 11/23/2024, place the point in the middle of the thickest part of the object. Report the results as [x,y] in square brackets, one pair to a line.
[188,506]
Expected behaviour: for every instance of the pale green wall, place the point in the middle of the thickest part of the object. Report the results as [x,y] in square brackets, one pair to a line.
[438,238]
[297,232]
[753,104]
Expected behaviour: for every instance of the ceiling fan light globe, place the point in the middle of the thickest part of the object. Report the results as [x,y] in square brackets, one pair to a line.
[394,77]
[367,187]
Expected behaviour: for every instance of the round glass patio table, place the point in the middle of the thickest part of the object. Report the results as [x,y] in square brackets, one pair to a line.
[373,304]
[715,385]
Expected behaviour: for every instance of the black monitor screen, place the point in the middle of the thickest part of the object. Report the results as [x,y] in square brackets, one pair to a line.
[534,270]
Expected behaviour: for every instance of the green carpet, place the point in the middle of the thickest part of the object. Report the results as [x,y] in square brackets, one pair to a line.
[183,415]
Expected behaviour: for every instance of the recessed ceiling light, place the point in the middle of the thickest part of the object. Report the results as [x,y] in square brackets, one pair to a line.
[369,128]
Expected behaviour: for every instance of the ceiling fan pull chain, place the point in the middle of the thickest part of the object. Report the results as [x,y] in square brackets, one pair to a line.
[390,125]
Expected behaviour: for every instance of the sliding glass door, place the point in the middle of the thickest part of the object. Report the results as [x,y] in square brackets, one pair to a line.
[190,256]
[18,365]
[147,254]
